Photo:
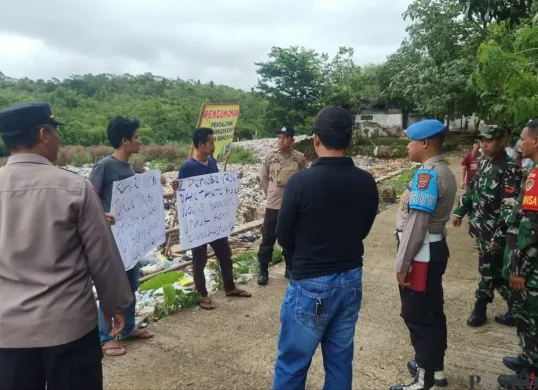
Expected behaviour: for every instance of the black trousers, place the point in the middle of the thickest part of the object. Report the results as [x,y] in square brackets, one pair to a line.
[76,365]
[423,312]
[223,253]
[265,254]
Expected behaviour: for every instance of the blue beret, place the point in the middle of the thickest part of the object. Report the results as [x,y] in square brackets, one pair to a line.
[424,129]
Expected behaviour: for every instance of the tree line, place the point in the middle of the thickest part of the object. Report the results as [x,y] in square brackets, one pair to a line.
[459,57]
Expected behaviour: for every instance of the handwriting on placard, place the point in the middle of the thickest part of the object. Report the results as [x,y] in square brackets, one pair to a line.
[207,207]
[138,209]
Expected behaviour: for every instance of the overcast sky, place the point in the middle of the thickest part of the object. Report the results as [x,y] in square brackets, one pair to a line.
[215,40]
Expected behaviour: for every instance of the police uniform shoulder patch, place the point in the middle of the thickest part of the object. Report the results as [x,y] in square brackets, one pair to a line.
[424,191]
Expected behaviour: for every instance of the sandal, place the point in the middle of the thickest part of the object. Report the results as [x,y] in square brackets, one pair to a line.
[113,349]
[139,334]
[206,304]
[237,293]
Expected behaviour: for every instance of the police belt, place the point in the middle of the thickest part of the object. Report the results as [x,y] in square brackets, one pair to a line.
[431,237]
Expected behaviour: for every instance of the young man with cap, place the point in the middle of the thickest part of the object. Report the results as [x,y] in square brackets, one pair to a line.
[326,213]
[523,270]
[203,163]
[55,240]
[496,185]
[275,171]
[423,253]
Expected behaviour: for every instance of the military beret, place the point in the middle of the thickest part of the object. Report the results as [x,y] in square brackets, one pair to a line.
[26,115]
[425,129]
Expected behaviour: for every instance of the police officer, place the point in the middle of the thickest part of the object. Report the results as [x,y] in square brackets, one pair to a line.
[55,240]
[495,186]
[423,253]
[276,169]
[522,246]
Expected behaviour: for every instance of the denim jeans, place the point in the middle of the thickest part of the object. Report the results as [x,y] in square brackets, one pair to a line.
[133,276]
[302,330]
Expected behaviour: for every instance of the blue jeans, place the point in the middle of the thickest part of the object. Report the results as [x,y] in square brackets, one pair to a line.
[302,330]
[133,276]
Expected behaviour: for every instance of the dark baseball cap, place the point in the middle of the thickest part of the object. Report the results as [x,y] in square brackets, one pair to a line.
[287,130]
[333,119]
[26,115]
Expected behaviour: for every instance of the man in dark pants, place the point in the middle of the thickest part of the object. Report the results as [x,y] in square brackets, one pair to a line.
[203,163]
[275,171]
[423,254]
[55,240]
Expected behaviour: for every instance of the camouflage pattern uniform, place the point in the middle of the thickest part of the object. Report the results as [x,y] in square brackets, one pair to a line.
[522,241]
[495,186]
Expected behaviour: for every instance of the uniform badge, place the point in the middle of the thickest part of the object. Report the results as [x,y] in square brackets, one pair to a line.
[424,181]
[529,184]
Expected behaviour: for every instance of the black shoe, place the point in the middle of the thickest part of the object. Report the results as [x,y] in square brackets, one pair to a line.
[423,381]
[439,376]
[263,277]
[517,364]
[287,274]
[523,380]
[507,318]
[478,317]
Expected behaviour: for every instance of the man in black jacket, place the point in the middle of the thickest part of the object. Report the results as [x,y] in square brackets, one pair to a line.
[326,213]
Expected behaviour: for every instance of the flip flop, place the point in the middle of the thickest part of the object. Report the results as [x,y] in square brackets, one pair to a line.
[139,334]
[207,305]
[239,294]
[108,350]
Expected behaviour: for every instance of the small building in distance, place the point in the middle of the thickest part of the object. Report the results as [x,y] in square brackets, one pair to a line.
[382,121]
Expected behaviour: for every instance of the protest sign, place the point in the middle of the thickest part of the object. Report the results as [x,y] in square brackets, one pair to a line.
[207,206]
[137,207]
[222,118]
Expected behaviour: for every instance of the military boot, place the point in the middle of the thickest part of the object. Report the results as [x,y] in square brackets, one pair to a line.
[424,380]
[507,318]
[523,380]
[478,317]
[439,376]
[517,364]
[263,276]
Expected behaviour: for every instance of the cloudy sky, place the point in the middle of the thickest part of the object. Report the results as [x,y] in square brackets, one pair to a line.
[215,40]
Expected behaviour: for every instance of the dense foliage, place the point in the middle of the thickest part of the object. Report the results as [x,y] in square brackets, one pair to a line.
[168,109]
[460,57]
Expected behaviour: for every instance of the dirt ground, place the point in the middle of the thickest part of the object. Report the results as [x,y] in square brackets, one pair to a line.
[234,346]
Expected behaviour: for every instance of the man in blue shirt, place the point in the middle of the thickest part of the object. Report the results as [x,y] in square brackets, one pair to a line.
[203,163]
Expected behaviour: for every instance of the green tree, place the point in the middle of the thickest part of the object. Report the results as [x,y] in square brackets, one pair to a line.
[292,81]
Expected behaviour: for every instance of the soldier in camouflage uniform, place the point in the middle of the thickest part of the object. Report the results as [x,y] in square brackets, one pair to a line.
[495,186]
[522,243]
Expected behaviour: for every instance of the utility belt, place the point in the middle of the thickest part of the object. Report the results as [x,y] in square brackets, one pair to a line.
[417,275]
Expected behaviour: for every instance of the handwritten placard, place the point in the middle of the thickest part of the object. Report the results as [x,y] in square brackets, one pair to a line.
[207,207]
[137,207]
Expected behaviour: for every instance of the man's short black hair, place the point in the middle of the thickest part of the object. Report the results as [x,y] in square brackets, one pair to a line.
[533,127]
[334,140]
[201,136]
[24,138]
[120,129]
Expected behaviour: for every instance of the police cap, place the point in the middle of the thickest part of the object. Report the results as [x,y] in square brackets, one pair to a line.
[26,115]
[425,129]
[287,130]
